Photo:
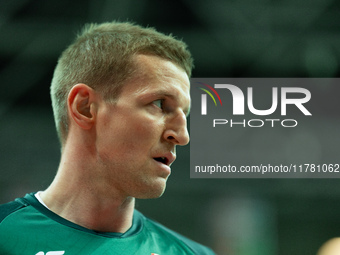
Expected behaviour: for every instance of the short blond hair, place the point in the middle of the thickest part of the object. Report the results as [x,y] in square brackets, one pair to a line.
[101,57]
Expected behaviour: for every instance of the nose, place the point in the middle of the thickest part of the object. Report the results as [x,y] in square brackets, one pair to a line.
[176,130]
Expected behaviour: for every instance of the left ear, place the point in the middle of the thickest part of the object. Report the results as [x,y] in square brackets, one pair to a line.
[82,106]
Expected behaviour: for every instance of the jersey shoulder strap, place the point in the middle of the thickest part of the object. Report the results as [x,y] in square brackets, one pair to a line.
[11,207]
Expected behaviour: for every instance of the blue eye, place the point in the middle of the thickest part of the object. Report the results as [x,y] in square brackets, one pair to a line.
[158,103]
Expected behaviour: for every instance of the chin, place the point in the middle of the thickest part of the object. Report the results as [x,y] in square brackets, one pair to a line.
[155,191]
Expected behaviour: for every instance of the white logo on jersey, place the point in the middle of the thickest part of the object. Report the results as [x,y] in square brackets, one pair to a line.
[51,253]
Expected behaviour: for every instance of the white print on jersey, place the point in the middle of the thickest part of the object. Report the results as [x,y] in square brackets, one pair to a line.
[51,253]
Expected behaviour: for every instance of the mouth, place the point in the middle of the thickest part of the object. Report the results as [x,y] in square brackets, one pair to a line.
[163,160]
[166,159]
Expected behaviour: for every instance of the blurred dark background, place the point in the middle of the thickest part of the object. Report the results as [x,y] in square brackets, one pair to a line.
[247,38]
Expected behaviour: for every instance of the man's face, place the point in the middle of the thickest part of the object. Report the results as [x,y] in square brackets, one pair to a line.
[137,135]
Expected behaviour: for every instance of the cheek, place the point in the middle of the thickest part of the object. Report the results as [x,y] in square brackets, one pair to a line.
[143,125]
[129,130]
[143,128]
[132,134]
[145,131]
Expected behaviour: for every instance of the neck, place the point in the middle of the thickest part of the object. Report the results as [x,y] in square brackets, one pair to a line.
[75,196]
[90,211]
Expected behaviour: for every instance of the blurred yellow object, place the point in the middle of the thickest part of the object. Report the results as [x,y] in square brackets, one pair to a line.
[331,247]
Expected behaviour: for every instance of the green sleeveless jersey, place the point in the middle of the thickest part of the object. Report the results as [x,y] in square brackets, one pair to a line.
[29,228]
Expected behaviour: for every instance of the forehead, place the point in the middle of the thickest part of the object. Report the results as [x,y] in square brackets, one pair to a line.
[155,75]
